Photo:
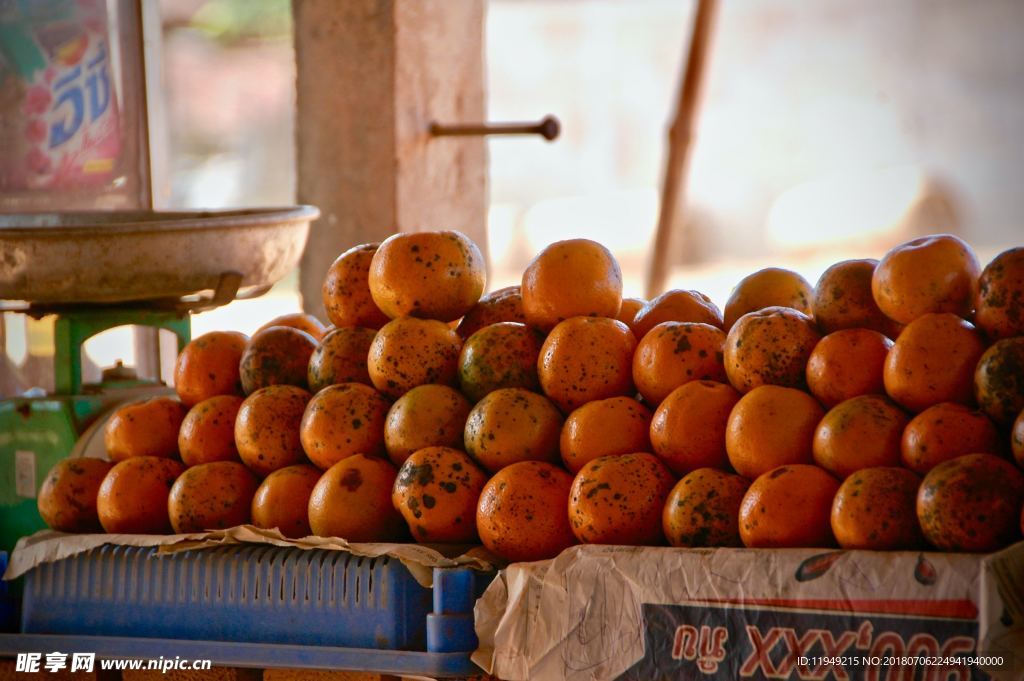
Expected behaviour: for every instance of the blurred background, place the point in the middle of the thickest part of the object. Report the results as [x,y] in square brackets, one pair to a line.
[828,130]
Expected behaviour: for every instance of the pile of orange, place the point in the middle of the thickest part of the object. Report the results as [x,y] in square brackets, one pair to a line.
[879,409]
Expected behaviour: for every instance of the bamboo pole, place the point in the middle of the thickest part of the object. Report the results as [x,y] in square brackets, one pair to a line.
[680,142]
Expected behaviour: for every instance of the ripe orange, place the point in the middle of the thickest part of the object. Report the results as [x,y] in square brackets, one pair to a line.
[518,516]
[971,503]
[674,353]
[703,509]
[874,510]
[585,359]
[208,432]
[847,363]
[999,307]
[342,420]
[688,430]
[769,346]
[771,426]
[437,491]
[503,305]
[999,380]
[133,495]
[340,358]
[933,361]
[146,428]
[628,310]
[502,355]
[298,320]
[862,432]
[945,431]
[619,500]
[789,507]
[282,500]
[67,497]
[267,428]
[431,275]
[278,355]
[352,500]
[427,416]
[770,287]
[208,366]
[937,273]
[843,300]
[574,278]
[616,425]
[212,496]
[346,290]
[512,425]
[408,352]
[676,306]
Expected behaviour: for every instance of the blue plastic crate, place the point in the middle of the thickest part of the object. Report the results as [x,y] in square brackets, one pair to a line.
[251,594]
[8,604]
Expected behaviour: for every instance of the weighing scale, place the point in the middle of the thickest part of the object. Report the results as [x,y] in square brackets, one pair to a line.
[97,271]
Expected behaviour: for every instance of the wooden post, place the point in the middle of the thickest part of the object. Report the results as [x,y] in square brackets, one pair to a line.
[372,75]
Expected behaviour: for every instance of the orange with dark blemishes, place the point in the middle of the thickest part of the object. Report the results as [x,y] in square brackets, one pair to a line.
[861,432]
[427,416]
[674,353]
[267,428]
[999,307]
[702,510]
[408,352]
[340,358]
[208,432]
[512,425]
[502,355]
[945,431]
[212,496]
[346,290]
[352,500]
[874,511]
[999,380]
[67,497]
[278,355]
[676,306]
[437,491]
[585,359]
[343,420]
[503,305]
[209,366]
[298,320]
[843,300]
[769,347]
[574,278]
[770,287]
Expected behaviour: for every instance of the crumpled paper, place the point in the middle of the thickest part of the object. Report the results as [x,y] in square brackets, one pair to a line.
[47,546]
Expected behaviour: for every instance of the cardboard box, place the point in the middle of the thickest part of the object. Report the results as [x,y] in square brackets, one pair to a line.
[599,612]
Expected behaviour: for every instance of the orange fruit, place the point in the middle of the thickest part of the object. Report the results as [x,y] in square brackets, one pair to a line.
[770,287]
[628,310]
[1017,439]
[688,429]
[212,496]
[674,353]
[267,428]
[771,426]
[843,300]
[999,307]
[502,355]
[408,352]
[933,361]
[937,273]
[862,432]
[208,366]
[208,432]
[346,290]
[945,431]
[436,491]
[971,503]
[769,346]
[616,425]
[585,359]
[342,420]
[276,356]
[703,509]
[431,275]
[67,497]
[503,305]
[789,507]
[676,306]
[427,416]
[518,515]
[146,428]
[511,425]
[874,510]
[282,500]
[340,358]
[619,500]
[133,495]
[847,363]
[352,500]
[574,278]
[298,320]
[999,380]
